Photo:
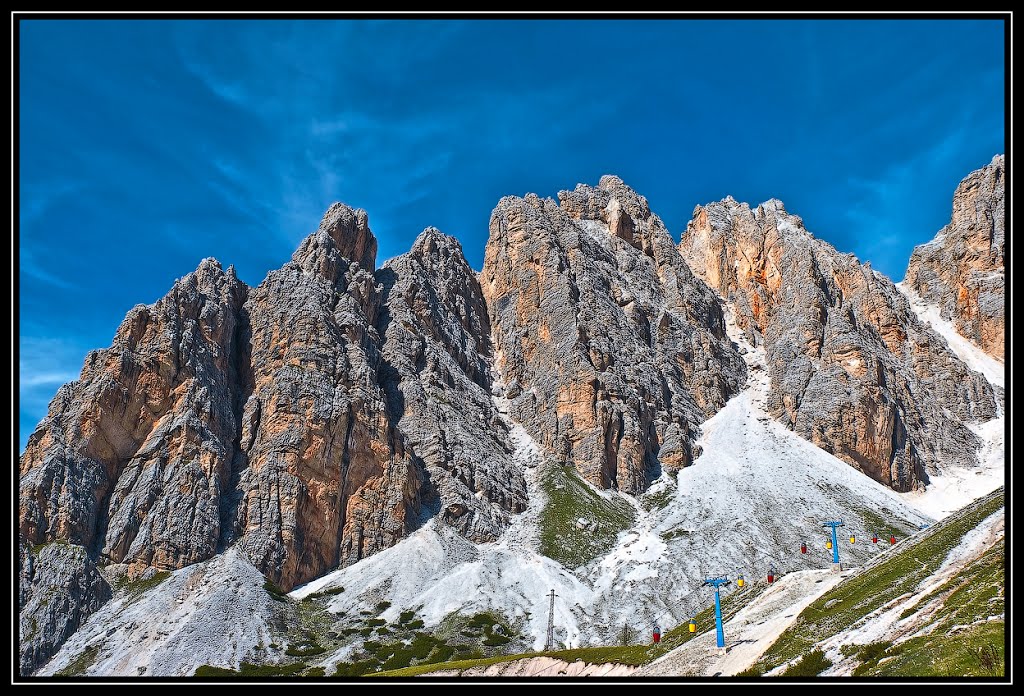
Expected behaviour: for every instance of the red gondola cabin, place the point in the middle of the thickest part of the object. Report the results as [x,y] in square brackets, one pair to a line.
[657,634]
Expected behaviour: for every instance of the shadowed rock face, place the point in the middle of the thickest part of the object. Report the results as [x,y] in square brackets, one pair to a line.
[961,270]
[438,380]
[59,587]
[852,368]
[132,458]
[612,351]
[323,477]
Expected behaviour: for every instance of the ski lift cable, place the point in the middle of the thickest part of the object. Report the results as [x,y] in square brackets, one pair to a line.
[760,556]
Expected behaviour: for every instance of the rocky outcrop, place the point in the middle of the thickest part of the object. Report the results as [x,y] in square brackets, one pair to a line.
[611,350]
[961,271]
[437,376]
[133,458]
[851,367]
[323,477]
[59,589]
[274,418]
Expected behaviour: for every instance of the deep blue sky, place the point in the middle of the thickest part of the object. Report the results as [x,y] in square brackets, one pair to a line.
[147,146]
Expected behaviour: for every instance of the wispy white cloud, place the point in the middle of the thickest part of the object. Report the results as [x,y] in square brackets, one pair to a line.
[35,205]
[31,380]
[882,203]
[29,266]
[38,201]
[44,364]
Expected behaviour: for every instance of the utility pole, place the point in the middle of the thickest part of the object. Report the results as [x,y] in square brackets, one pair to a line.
[716,583]
[550,643]
[836,565]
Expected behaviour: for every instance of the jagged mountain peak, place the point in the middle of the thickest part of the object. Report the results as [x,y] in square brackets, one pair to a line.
[211,276]
[435,243]
[612,202]
[349,229]
[961,271]
[438,383]
[209,264]
[611,351]
[852,368]
[773,205]
[624,213]
[627,197]
[771,215]
[208,277]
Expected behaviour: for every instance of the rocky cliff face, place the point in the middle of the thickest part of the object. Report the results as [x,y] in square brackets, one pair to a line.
[132,459]
[852,368]
[59,587]
[323,477]
[320,417]
[611,350]
[306,420]
[961,270]
[437,375]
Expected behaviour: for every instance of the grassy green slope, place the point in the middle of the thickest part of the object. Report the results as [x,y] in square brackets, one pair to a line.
[963,638]
[973,595]
[569,500]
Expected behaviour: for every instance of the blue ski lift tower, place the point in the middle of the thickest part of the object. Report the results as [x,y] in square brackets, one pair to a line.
[836,565]
[716,583]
